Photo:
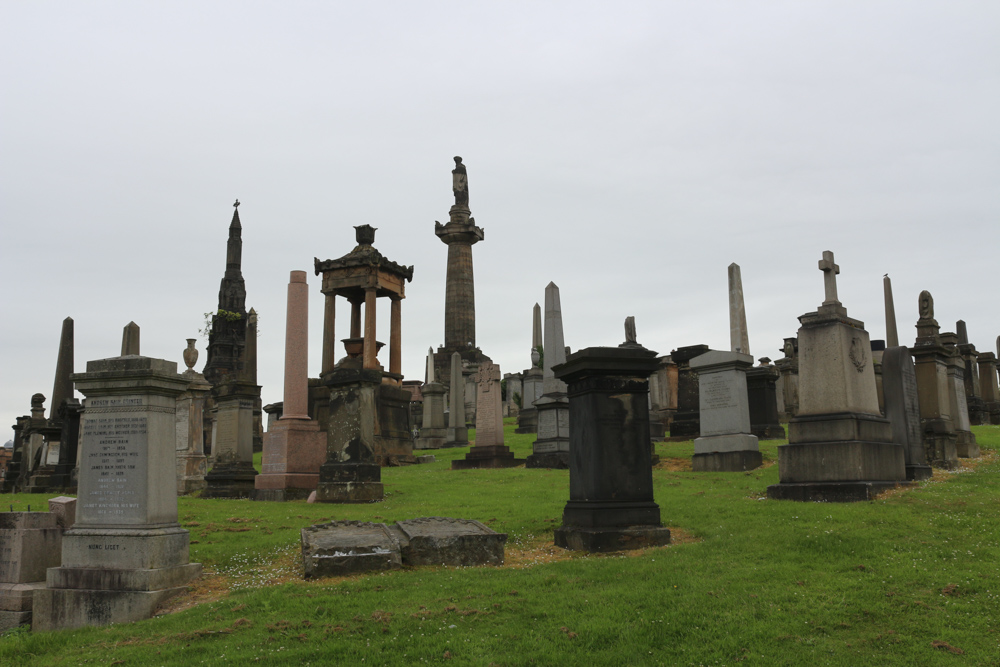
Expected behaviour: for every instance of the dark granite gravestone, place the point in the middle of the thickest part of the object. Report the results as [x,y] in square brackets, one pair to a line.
[902,409]
[762,390]
[685,424]
[610,475]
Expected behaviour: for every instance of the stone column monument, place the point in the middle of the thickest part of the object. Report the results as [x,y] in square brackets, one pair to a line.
[611,504]
[839,447]
[126,553]
[965,440]
[458,432]
[192,464]
[973,394]
[930,359]
[532,378]
[460,234]
[988,386]
[433,432]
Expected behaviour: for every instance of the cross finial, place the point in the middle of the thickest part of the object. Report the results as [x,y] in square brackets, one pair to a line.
[237,204]
[830,271]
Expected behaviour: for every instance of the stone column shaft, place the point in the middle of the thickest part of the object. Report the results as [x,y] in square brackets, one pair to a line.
[355,319]
[460,298]
[370,360]
[329,332]
[297,347]
[395,336]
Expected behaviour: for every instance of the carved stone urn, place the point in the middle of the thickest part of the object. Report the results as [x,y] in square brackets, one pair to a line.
[191,354]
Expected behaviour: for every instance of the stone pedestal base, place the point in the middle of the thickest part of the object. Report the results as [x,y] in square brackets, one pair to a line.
[230,480]
[63,479]
[552,460]
[191,471]
[831,492]
[684,426]
[737,461]
[294,450]
[851,461]
[602,540]
[114,575]
[432,438]
[940,443]
[16,603]
[527,421]
[966,445]
[349,483]
[917,473]
[493,456]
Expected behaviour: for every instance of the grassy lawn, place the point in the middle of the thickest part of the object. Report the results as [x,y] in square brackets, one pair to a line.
[909,579]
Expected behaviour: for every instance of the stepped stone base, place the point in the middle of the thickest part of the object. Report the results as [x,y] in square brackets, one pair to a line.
[832,492]
[726,461]
[554,460]
[492,456]
[602,540]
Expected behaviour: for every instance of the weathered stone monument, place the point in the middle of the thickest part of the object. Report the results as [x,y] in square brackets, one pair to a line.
[988,386]
[551,447]
[126,553]
[192,464]
[662,397]
[532,379]
[30,543]
[902,409]
[294,446]
[458,431]
[611,504]
[726,443]
[460,234]
[512,396]
[839,447]
[930,360]
[788,367]
[685,424]
[761,381]
[973,392]
[899,399]
[488,450]
[231,371]
[433,432]
[965,439]
[369,417]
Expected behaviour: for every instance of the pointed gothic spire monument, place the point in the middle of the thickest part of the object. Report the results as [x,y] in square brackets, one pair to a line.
[460,234]
[235,393]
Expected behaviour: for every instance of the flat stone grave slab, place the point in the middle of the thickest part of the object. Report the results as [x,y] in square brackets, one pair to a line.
[442,541]
[346,547]
[340,548]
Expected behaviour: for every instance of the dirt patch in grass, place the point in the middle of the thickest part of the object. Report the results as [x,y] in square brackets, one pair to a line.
[207,588]
[673,464]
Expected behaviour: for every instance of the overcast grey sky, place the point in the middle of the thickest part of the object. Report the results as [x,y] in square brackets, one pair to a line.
[628,151]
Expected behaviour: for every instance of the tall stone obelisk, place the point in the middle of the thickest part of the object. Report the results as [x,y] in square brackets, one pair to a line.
[460,234]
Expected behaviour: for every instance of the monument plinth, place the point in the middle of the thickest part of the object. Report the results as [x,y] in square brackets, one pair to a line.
[726,443]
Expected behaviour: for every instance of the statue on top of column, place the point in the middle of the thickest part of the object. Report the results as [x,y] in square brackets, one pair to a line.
[460,183]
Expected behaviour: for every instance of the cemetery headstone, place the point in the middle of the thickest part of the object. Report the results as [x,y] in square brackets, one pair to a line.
[126,553]
[988,386]
[902,408]
[685,424]
[458,432]
[975,406]
[611,504]
[839,447]
[965,440]
[551,447]
[30,543]
[192,463]
[532,378]
[930,360]
[433,433]
[488,450]
[726,443]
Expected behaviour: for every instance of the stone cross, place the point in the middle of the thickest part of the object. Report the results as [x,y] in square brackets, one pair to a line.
[430,365]
[891,335]
[830,271]
[489,374]
[739,338]
[130,340]
[237,204]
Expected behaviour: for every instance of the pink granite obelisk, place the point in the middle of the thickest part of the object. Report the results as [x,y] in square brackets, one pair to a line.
[297,349]
[294,447]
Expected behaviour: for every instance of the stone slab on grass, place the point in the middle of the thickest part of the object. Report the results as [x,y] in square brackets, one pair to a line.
[340,548]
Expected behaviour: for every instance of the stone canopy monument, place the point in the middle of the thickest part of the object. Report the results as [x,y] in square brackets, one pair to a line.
[839,447]
[369,411]
[460,234]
